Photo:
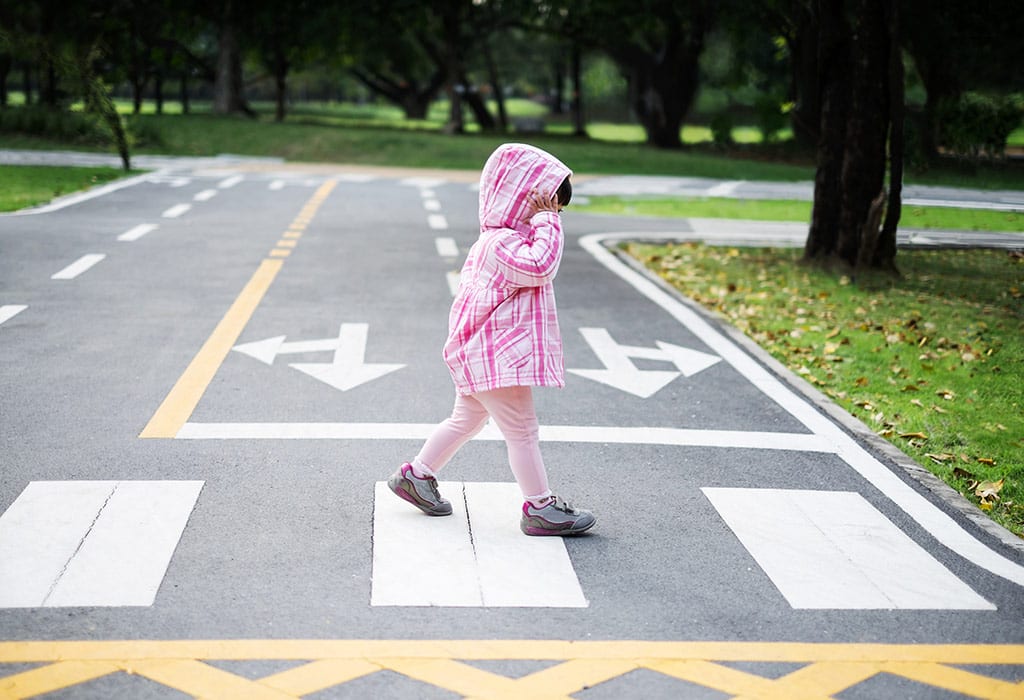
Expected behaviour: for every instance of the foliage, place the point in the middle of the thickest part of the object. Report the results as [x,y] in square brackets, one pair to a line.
[979,125]
[30,185]
[68,127]
[721,129]
[933,362]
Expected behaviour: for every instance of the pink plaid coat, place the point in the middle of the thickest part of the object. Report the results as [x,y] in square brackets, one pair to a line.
[503,326]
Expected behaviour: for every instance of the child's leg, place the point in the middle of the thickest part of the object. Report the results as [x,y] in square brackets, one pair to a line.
[512,410]
[468,418]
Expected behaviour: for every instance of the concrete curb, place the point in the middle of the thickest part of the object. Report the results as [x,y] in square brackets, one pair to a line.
[861,432]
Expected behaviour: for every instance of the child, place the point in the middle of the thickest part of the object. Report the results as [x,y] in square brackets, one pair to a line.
[503,337]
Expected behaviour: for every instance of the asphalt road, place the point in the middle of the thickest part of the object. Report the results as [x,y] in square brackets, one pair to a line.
[178,476]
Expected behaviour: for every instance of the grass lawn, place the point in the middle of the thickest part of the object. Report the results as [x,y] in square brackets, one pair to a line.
[28,185]
[933,361]
[789,210]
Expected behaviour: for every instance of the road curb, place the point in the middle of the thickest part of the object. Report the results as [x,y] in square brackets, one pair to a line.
[861,432]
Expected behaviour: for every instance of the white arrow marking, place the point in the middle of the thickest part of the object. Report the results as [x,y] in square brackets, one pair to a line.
[266,350]
[348,370]
[622,374]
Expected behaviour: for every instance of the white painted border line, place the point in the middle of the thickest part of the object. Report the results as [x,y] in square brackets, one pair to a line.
[79,197]
[924,512]
[176,211]
[799,442]
[437,222]
[137,232]
[9,311]
[832,550]
[446,247]
[91,543]
[78,267]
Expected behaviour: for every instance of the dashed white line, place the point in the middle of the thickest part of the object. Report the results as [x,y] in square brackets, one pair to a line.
[446,247]
[437,222]
[78,267]
[276,185]
[427,194]
[230,182]
[176,211]
[9,311]
[454,277]
[137,232]
[205,195]
[431,205]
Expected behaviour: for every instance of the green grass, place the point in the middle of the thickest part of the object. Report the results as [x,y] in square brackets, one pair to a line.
[28,185]
[932,361]
[791,210]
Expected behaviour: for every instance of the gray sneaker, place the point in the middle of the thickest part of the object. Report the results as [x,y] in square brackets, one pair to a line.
[422,493]
[556,517]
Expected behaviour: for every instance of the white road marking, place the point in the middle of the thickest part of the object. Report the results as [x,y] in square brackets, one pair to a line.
[78,267]
[724,189]
[446,247]
[91,543]
[431,205]
[78,197]
[176,211]
[437,222]
[354,177]
[9,311]
[930,517]
[828,550]
[454,277]
[276,185]
[137,232]
[205,195]
[472,558]
[427,194]
[800,442]
[230,182]
[423,182]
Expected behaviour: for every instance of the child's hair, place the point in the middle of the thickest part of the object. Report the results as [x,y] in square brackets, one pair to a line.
[564,192]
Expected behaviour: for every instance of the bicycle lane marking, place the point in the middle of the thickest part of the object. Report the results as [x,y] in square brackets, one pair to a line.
[940,525]
[183,398]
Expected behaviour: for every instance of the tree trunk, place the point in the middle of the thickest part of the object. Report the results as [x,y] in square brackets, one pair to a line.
[496,86]
[856,70]
[184,96]
[280,85]
[5,69]
[580,128]
[227,88]
[805,117]
[885,251]
[558,99]
[479,108]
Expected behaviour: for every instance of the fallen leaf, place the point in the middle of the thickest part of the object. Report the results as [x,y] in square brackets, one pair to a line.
[939,409]
[917,436]
[946,394]
[833,333]
[917,402]
[987,490]
[962,473]
[911,387]
[987,460]
[861,381]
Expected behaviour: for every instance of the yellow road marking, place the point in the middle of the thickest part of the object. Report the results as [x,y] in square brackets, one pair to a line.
[826,669]
[183,398]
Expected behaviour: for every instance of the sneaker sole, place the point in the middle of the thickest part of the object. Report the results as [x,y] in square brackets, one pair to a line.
[547,532]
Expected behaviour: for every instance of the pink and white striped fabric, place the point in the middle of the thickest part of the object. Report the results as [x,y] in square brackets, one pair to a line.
[503,326]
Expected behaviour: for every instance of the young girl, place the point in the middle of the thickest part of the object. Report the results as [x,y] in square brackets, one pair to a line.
[503,337]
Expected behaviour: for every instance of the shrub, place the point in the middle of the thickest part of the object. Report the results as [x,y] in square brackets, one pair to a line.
[978,125]
[57,124]
[721,129]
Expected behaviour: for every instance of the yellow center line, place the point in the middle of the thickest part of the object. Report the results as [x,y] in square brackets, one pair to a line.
[183,398]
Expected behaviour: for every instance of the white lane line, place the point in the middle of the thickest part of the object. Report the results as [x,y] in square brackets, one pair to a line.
[423,182]
[205,195]
[137,232]
[446,247]
[9,311]
[475,557]
[354,177]
[928,515]
[230,182]
[431,205]
[91,543]
[437,222]
[724,189]
[79,197]
[427,194]
[831,550]
[276,185]
[454,277]
[78,267]
[801,442]
[176,211]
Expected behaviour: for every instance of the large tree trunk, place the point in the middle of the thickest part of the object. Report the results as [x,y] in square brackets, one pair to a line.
[5,69]
[805,117]
[580,127]
[855,125]
[227,88]
[280,85]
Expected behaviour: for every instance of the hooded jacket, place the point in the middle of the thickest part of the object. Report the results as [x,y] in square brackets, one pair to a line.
[503,326]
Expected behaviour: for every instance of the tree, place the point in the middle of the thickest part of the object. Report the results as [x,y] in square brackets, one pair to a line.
[657,45]
[861,127]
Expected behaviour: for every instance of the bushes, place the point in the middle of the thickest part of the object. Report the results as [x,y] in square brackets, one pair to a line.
[71,127]
[978,125]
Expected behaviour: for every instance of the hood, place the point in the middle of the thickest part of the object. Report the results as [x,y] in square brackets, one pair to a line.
[507,178]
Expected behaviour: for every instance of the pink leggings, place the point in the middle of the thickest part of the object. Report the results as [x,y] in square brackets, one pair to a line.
[512,410]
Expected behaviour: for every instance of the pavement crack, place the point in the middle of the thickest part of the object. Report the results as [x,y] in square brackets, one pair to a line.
[78,548]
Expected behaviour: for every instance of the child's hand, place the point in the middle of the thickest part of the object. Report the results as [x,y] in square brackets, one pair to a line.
[539,203]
